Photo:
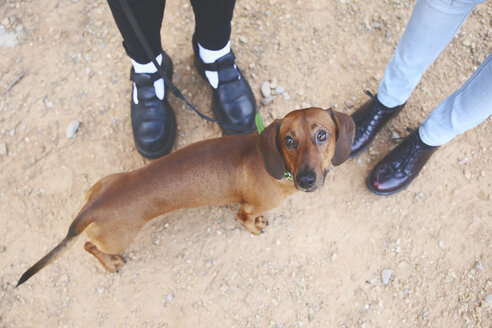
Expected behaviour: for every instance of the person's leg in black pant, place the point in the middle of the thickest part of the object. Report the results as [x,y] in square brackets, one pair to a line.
[233,101]
[153,120]
[148,14]
[213,22]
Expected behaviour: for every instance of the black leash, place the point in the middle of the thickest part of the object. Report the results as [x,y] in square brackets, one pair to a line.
[160,69]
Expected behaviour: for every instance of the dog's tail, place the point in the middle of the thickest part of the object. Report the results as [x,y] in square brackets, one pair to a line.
[78,225]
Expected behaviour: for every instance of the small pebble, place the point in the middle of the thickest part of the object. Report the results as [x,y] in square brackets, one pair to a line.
[170,297]
[349,103]
[273,83]
[265,101]
[478,265]
[279,90]
[72,127]
[441,244]
[286,96]
[2,248]
[3,149]
[12,132]
[48,102]
[395,135]
[243,39]
[100,290]
[265,89]
[488,299]
[386,276]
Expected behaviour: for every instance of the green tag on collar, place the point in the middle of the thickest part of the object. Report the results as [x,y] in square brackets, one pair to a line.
[288,176]
[259,123]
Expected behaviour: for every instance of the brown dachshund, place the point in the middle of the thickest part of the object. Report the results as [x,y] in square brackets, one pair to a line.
[249,170]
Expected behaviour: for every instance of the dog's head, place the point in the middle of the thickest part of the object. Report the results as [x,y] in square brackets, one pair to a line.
[304,143]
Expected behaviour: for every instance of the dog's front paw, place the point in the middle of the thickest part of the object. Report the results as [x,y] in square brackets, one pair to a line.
[254,224]
[115,263]
[261,223]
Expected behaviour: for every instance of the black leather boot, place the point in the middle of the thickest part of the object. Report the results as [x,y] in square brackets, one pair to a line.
[153,120]
[369,120]
[401,166]
[233,101]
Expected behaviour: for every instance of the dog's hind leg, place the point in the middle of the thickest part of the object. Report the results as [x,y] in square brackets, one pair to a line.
[109,238]
[112,263]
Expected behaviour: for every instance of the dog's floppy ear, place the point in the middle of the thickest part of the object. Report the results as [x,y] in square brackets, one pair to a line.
[270,151]
[345,136]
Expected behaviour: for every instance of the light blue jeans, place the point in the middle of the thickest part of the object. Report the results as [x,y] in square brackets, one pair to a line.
[431,27]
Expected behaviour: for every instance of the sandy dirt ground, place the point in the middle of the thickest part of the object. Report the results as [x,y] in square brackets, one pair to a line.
[320,262]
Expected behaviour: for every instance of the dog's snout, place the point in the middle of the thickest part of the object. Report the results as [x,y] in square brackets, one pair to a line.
[307,179]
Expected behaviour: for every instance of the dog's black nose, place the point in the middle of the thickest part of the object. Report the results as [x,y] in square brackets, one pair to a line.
[306,180]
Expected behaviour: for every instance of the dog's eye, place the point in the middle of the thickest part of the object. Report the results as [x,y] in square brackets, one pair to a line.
[321,136]
[289,142]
